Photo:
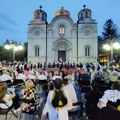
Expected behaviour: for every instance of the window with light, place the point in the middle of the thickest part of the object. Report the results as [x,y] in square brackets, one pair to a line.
[62,30]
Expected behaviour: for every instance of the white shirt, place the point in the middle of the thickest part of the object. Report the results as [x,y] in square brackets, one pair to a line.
[21,76]
[61,114]
[5,77]
[69,87]
[109,95]
[32,77]
[42,77]
[54,77]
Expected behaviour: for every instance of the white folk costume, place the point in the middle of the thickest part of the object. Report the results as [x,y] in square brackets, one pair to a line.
[54,114]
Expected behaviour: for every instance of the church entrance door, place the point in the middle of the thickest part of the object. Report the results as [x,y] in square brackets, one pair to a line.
[62,55]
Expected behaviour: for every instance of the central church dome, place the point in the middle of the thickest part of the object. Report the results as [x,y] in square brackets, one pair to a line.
[62,12]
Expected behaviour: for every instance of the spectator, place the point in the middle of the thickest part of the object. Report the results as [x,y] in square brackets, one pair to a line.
[32,75]
[109,103]
[58,103]
[114,76]
[11,99]
[56,75]
[77,75]
[21,75]
[41,76]
[5,76]
[92,98]
[69,87]
[29,93]
[70,78]
[26,72]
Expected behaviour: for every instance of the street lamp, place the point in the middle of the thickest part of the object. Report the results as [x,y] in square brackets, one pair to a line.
[15,46]
[111,47]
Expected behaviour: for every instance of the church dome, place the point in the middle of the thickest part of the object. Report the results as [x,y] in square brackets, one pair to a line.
[40,14]
[62,12]
[84,13]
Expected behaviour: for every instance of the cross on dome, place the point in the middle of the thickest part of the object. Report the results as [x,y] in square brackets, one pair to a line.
[40,7]
[84,6]
[62,8]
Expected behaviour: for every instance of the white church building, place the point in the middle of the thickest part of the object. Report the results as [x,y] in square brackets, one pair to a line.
[62,38]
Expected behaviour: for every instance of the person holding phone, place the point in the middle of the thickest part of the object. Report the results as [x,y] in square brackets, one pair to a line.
[11,100]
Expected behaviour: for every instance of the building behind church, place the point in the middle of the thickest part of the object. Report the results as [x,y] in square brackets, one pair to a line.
[62,38]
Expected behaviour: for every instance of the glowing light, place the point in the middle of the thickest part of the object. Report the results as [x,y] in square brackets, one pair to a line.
[107,47]
[16,48]
[116,45]
[20,47]
[7,47]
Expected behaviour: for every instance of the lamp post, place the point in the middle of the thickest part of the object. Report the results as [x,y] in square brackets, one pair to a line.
[15,46]
[111,47]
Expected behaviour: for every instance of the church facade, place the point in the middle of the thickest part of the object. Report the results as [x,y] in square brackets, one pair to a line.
[62,38]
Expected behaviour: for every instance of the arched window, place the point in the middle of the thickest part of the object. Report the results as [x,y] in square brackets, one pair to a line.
[86,14]
[38,15]
[87,51]
[81,15]
[43,16]
[36,51]
[62,30]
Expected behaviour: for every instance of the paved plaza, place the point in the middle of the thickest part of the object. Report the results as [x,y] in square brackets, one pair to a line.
[12,117]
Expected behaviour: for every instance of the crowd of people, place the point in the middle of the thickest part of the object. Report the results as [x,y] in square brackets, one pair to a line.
[64,88]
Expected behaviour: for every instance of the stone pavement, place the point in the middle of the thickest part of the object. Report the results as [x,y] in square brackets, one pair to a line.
[12,117]
[9,117]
